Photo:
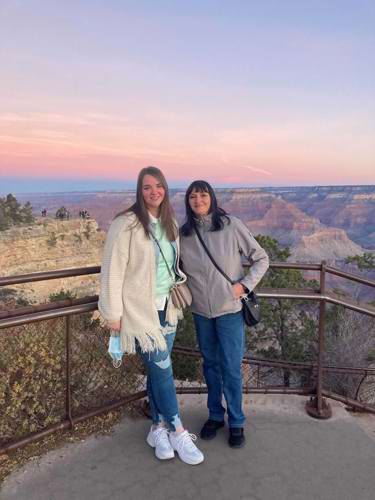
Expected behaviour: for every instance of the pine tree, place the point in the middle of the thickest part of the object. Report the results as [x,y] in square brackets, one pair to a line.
[27,213]
[12,213]
[287,328]
[4,221]
[363,262]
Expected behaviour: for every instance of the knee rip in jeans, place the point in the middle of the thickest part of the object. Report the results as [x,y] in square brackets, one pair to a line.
[164,363]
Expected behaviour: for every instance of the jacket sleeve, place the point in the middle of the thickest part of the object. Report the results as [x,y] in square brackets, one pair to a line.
[181,276]
[254,253]
[114,263]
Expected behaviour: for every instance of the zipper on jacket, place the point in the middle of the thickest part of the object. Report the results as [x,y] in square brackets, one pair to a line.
[206,267]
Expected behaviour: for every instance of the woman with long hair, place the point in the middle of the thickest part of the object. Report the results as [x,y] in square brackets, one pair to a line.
[216,302]
[140,265]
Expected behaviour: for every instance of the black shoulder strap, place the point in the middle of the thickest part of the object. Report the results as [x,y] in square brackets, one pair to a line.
[162,254]
[211,258]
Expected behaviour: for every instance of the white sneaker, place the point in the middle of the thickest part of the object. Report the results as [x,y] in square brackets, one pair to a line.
[159,439]
[186,449]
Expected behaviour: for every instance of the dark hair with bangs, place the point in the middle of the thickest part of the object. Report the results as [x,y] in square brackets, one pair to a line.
[167,218]
[219,215]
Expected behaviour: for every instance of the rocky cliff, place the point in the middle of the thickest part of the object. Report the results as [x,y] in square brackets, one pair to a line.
[48,245]
[328,244]
[351,208]
[287,214]
[270,214]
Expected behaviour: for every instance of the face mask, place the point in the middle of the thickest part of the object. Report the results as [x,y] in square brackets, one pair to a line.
[114,350]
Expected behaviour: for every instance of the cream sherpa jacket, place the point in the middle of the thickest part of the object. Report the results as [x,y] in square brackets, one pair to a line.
[128,286]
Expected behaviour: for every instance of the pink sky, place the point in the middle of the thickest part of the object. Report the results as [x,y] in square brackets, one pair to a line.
[85,145]
[230,95]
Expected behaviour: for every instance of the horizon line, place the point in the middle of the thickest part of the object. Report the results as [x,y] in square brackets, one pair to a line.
[260,188]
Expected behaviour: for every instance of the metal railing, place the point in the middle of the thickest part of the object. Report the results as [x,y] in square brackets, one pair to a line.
[317,406]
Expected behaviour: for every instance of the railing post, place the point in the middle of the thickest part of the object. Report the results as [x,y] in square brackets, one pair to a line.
[68,398]
[317,407]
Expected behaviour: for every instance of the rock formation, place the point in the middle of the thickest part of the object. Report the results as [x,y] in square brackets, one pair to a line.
[351,208]
[304,218]
[328,244]
[48,245]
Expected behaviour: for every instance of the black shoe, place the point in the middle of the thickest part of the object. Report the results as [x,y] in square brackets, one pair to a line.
[236,437]
[209,429]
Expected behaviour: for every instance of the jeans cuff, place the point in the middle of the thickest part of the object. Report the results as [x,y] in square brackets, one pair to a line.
[216,417]
[236,424]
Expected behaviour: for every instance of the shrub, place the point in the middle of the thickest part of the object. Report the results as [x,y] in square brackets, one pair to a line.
[31,377]
[62,295]
[13,213]
[186,367]
[78,238]
[350,341]
[87,232]
[33,374]
[52,240]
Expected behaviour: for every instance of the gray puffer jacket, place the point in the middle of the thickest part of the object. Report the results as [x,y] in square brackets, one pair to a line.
[212,293]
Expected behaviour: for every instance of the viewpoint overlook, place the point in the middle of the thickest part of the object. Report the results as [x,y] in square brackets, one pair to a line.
[55,371]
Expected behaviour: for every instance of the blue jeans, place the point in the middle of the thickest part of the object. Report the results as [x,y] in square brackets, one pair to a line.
[160,383]
[221,341]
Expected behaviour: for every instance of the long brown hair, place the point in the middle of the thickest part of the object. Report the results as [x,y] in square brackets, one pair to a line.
[139,208]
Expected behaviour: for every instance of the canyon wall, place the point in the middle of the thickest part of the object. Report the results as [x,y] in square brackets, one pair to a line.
[50,245]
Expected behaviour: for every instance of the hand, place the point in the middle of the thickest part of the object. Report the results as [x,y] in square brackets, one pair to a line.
[238,289]
[114,325]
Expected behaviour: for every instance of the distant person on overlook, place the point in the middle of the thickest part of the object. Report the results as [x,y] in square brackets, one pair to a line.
[216,306]
[135,302]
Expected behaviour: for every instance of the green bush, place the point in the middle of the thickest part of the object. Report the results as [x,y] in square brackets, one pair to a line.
[22,301]
[7,293]
[13,213]
[62,295]
[186,367]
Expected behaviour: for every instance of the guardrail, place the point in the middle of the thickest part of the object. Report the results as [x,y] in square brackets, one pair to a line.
[317,406]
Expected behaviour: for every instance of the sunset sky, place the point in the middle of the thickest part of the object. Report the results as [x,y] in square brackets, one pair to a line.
[241,93]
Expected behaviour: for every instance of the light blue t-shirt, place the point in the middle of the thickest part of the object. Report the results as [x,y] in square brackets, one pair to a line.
[164,281]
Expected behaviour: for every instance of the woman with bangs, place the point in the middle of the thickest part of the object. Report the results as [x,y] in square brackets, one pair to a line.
[216,306]
[140,265]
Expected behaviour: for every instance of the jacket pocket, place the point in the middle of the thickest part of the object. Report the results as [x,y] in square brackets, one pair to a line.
[229,292]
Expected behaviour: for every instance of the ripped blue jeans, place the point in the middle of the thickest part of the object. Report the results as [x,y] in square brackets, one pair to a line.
[160,383]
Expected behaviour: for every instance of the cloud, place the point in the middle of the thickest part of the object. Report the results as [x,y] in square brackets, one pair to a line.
[50,118]
[257,170]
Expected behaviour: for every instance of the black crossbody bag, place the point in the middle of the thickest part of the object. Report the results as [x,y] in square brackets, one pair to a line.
[250,303]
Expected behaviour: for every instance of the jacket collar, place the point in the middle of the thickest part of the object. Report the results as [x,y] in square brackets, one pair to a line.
[204,220]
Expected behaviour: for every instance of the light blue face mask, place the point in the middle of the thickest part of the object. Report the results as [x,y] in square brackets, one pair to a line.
[114,350]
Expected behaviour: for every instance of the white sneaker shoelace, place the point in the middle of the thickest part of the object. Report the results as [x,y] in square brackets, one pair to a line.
[186,441]
[161,436]
[159,439]
[186,449]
